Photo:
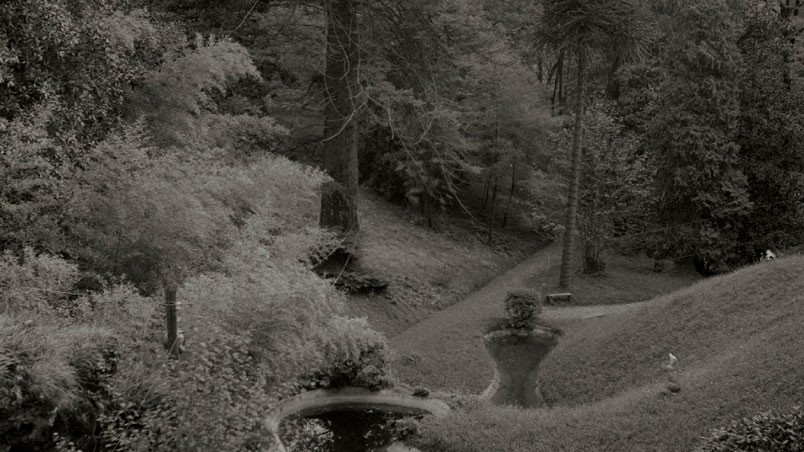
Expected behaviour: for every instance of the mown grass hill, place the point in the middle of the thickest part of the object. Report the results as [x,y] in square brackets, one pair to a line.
[738,342]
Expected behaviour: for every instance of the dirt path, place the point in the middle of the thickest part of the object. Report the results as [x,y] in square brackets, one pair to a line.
[445,351]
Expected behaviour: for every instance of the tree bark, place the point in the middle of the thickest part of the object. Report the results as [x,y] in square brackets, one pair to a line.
[493,211]
[540,64]
[486,192]
[172,321]
[557,86]
[570,225]
[339,200]
[510,195]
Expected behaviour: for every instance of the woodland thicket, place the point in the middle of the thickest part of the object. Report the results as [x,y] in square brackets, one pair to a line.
[219,147]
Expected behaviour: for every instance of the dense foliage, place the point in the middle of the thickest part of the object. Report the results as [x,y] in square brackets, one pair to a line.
[702,192]
[127,165]
[149,144]
[765,431]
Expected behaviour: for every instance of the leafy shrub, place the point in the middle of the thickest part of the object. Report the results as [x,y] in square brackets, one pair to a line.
[245,136]
[763,432]
[143,213]
[523,306]
[355,355]
[31,283]
[257,331]
[544,226]
[214,398]
[52,380]
[29,191]
[85,55]
[59,351]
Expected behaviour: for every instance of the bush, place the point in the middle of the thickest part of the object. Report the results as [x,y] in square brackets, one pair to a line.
[52,380]
[523,306]
[32,283]
[763,432]
[355,355]
[213,398]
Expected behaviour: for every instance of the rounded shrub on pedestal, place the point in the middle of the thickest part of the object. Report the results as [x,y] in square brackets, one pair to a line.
[523,307]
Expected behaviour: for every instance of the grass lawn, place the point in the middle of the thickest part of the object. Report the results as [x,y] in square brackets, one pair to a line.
[738,339]
[627,279]
[427,269]
[444,352]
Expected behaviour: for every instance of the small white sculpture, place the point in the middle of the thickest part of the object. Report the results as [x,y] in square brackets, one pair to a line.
[672,383]
[672,364]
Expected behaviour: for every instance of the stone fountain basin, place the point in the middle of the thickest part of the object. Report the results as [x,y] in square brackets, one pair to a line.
[517,354]
[350,398]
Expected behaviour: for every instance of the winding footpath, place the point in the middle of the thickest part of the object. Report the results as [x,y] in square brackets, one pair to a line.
[445,352]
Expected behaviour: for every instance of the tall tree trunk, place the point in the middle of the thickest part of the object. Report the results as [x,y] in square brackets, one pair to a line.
[510,195]
[339,198]
[572,202]
[540,64]
[612,85]
[560,84]
[493,211]
[556,86]
[486,192]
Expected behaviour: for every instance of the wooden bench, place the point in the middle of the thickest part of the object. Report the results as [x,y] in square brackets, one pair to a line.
[554,298]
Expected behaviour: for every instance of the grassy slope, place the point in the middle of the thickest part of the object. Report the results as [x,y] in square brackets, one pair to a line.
[428,269]
[738,340]
[444,352]
[628,279]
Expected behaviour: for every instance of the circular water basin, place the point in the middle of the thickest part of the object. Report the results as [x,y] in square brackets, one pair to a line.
[345,429]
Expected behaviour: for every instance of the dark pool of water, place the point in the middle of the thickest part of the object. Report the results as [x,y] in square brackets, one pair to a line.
[518,359]
[346,430]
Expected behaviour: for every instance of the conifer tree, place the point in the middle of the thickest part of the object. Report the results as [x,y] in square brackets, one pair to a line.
[342,90]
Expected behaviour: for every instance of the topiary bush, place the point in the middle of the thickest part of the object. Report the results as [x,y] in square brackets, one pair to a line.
[763,432]
[523,306]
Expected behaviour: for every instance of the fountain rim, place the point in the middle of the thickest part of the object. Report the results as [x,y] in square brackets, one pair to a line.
[323,400]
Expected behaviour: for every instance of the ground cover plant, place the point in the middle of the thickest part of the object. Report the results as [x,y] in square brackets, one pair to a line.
[765,431]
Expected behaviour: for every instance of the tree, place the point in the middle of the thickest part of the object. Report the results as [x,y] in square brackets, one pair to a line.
[78,57]
[339,200]
[770,136]
[612,185]
[583,28]
[702,193]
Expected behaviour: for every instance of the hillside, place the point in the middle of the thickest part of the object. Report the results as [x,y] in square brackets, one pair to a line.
[738,341]
[427,269]
[444,351]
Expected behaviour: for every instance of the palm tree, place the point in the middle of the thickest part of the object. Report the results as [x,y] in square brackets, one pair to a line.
[584,29]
